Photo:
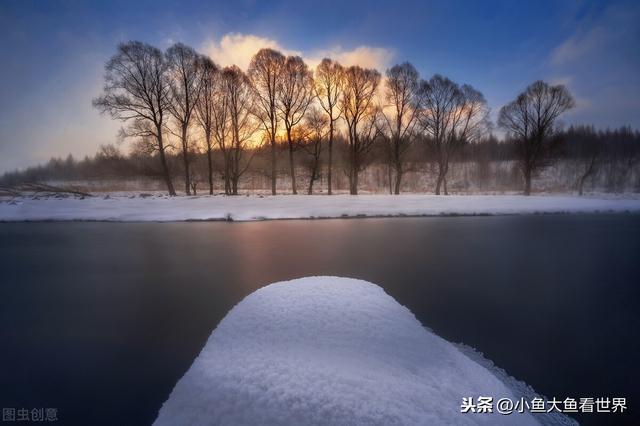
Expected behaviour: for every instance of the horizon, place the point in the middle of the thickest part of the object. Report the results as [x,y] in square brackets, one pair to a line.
[499,49]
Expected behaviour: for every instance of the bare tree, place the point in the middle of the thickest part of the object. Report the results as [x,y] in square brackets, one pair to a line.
[451,115]
[530,120]
[329,80]
[136,91]
[295,93]
[403,100]
[315,130]
[361,115]
[241,100]
[193,182]
[221,123]
[583,145]
[208,109]
[589,161]
[185,72]
[265,70]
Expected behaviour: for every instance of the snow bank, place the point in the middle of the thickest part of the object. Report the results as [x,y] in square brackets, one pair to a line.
[329,351]
[243,208]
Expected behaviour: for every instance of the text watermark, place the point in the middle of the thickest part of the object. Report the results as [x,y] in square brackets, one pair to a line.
[506,406]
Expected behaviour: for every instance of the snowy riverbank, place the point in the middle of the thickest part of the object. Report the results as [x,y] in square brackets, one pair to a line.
[330,351]
[246,208]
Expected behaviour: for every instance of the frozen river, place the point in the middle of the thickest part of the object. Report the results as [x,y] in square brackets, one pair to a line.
[100,320]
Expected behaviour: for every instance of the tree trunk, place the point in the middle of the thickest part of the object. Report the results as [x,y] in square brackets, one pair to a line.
[273,165]
[442,177]
[586,174]
[227,173]
[399,173]
[354,182]
[353,169]
[185,159]
[210,165]
[292,167]
[234,185]
[330,155]
[439,182]
[312,179]
[165,168]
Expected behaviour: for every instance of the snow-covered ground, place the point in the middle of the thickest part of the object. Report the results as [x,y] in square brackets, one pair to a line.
[333,351]
[256,207]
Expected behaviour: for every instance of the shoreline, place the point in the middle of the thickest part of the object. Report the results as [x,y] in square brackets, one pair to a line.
[301,207]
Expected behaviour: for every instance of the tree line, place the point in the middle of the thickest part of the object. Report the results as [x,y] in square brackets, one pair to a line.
[179,103]
[582,159]
[159,93]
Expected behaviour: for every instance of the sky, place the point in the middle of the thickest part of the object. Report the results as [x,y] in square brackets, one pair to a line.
[53,53]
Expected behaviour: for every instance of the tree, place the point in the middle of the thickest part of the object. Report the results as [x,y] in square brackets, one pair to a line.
[361,115]
[295,93]
[210,108]
[585,148]
[108,152]
[241,100]
[265,70]
[403,100]
[530,121]
[329,79]
[185,71]
[136,91]
[215,107]
[315,130]
[451,115]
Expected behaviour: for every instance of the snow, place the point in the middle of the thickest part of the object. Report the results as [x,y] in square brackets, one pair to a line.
[331,351]
[246,208]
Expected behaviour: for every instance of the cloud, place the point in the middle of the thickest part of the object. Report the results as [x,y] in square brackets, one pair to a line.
[365,56]
[564,80]
[599,63]
[238,49]
[613,28]
[579,45]
[581,103]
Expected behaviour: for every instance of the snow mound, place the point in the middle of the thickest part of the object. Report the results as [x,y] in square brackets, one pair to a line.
[329,351]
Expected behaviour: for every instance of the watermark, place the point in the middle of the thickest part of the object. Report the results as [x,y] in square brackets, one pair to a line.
[12,414]
[506,406]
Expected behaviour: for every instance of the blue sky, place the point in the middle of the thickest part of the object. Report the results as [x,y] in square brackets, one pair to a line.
[54,51]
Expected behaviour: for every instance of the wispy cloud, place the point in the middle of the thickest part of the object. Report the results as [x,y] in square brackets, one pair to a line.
[579,45]
[365,56]
[612,28]
[569,81]
[238,49]
[599,63]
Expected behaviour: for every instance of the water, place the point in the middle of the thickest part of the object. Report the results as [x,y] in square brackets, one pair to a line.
[100,320]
